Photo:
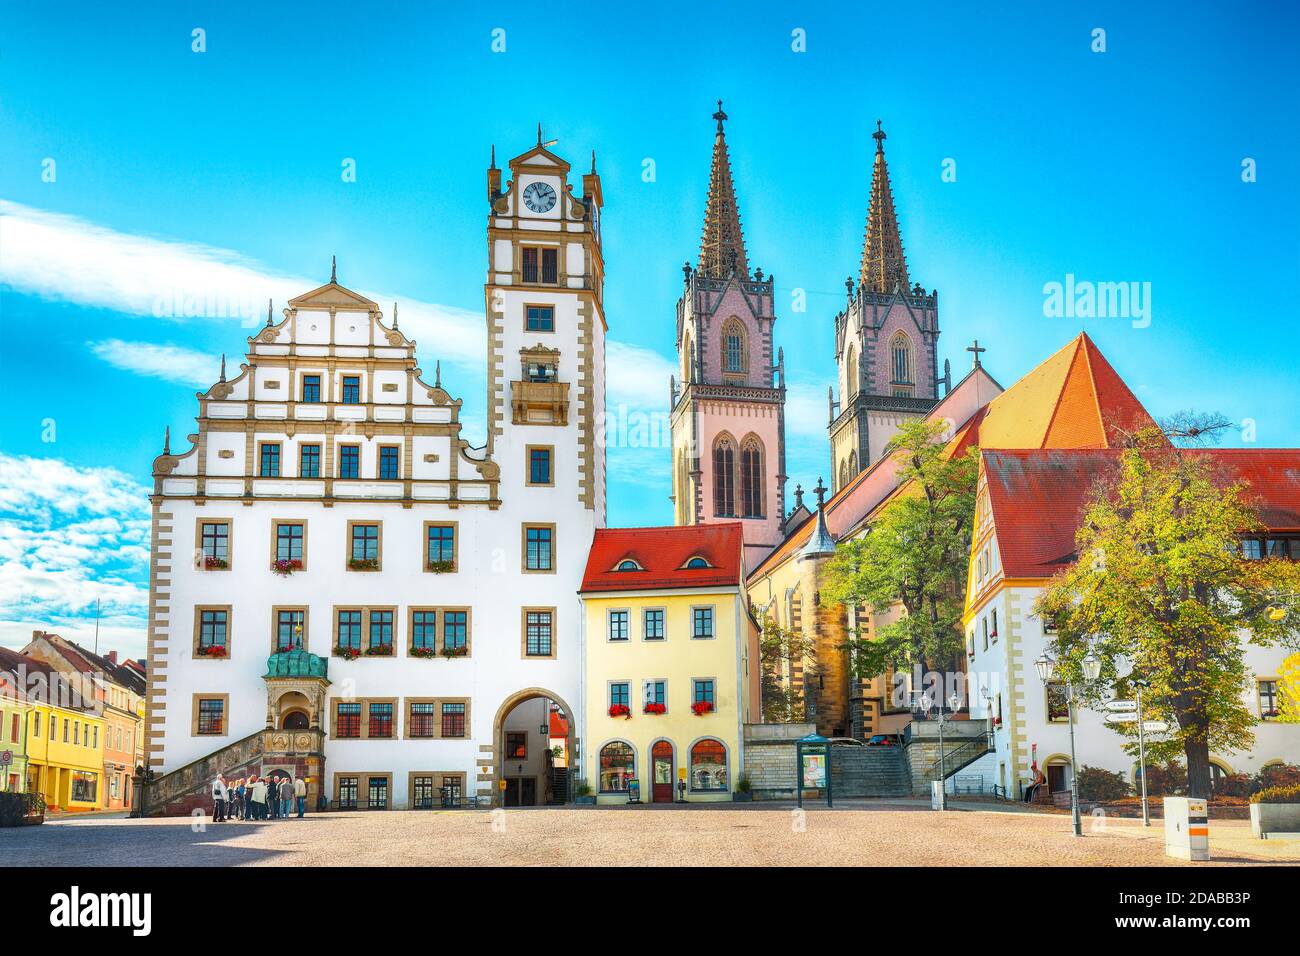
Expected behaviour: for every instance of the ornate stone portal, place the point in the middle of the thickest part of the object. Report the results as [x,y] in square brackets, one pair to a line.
[296,683]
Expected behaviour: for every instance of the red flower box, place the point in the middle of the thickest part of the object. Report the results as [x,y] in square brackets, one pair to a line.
[655,709]
[702,707]
[215,564]
[347,653]
[286,567]
[620,710]
[212,650]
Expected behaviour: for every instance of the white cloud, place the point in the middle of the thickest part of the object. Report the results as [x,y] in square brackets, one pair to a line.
[69,537]
[170,362]
[636,377]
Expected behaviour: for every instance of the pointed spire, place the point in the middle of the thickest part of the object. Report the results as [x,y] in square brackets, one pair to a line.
[334,275]
[394,316]
[223,367]
[167,440]
[820,543]
[593,160]
[493,163]
[722,246]
[539,132]
[883,266]
[437,374]
[798,497]
[268,312]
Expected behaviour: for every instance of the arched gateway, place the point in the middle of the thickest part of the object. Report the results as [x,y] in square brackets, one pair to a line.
[534,750]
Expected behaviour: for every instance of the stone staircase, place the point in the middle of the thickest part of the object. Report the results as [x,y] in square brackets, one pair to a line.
[861,771]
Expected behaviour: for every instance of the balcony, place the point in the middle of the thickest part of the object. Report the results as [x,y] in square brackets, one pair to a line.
[539,402]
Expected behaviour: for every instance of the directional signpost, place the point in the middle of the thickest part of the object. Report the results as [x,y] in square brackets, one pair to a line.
[1155,727]
[1121,718]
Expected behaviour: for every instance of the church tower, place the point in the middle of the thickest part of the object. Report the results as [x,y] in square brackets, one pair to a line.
[728,397]
[886,341]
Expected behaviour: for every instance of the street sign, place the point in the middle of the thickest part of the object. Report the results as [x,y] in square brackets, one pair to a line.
[1121,706]
[6,758]
[1155,727]
[1121,718]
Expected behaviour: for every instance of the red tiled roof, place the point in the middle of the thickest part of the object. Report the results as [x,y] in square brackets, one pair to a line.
[559,725]
[55,688]
[1038,496]
[661,553]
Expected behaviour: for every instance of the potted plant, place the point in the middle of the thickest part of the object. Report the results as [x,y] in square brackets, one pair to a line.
[212,650]
[455,650]
[620,710]
[744,790]
[286,566]
[346,652]
[1275,810]
[211,563]
[702,707]
[363,564]
[582,794]
[421,652]
[379,650]
[440,567]
[653,708]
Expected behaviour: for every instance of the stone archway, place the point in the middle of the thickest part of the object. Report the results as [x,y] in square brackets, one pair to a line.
[498,750]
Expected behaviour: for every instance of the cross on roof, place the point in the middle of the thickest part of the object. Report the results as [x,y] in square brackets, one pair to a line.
[719,116]
[975,349]
[820,492]
[879,137]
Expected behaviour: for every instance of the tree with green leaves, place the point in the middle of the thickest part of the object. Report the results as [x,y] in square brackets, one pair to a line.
[778,648]
[1163,590]
[914,555]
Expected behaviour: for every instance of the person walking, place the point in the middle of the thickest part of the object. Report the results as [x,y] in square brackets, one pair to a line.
[259,799]
[237,799]
[219,794]
[286,797]
[300,793]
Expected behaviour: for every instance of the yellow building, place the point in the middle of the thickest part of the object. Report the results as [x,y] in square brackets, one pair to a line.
[672,670]
[65,735]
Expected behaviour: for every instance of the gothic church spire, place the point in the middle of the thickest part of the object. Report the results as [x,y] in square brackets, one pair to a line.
[722,246]
[883,264]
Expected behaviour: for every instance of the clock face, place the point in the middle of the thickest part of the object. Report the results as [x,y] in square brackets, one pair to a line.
[539,197]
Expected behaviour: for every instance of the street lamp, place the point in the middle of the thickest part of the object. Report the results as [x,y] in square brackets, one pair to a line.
[1046,668]
[1140,684]
[953,703]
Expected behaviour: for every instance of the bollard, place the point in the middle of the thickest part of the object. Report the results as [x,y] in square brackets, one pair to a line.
[1187,828]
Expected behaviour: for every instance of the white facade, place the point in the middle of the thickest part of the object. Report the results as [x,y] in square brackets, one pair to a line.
[1004,666]
[545,391]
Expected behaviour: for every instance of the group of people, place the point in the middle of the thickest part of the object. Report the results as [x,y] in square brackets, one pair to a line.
[257,798]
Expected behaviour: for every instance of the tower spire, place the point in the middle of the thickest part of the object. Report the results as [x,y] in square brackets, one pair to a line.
[722,246]
[883,266]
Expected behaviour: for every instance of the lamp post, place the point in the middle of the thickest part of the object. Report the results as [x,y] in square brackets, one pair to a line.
[1046,668]
[953,702]
[1139,684]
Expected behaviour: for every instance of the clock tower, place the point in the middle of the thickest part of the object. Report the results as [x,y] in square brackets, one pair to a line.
[728,408]
[546,334]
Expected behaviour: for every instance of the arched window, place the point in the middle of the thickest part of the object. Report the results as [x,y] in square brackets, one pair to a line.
[724,477]
[902,365]
[853,464]
[708,766]
[694,564]
[734,353]
[685,500]
[851,375]
[617,766]
[751,478]
[688,359]
[844,474]
[628,565]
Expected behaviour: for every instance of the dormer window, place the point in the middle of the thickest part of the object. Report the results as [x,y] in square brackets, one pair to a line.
[627,564]
[696,563]
[545,257]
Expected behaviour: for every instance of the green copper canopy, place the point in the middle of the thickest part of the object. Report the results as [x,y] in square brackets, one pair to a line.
[296,663]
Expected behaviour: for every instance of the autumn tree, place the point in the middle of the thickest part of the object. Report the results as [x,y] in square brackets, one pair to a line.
[1162,589]
[778,648]
[914,555]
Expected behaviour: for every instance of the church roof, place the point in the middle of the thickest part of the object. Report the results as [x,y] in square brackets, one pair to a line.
[1037,496]
[661,555]
[884,266]
[722,245]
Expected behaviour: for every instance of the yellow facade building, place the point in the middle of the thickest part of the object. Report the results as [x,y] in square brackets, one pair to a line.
[672,669]
[65,735]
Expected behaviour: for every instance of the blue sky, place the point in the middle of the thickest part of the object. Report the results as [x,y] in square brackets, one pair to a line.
[176,170]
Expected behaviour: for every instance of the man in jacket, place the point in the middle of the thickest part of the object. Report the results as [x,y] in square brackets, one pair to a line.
[300,792]
[259,799]
[219,799]
[286,796]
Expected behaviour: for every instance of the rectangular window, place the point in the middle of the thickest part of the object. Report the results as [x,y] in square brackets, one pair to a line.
[542,372]
[453,720]
[516,745]
[701,622]
[76,733]
[349,461]
[67,725]
[528,263]
[440,547]
[351,389]
[656,692]
[347,720]
[654,624]
[388,460]
[288,541]
[381,629]
[213,630]
[422,721]
[1252,549]
[618,625]
[455,630]
[96,738]
[550,266]
[311,388]
[539,554]
[540,318]
[365,542]
[381,721]
[702,691]
[1058,704]
[538,636]
[309,461]
[349,626]
[348,793]
[548,257]
[290,629]
[422,793]
[620,694]
[539,466]
[984,627]
[377,793]
[214,540]
[36,725]
[212,716]
[270,467]
[84,786]
[424,630]
[1268,709]
[1276,548]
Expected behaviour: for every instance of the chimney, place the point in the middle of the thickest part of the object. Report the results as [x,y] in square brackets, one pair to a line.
[111,657]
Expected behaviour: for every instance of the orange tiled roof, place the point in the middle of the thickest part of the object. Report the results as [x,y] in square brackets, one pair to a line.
[662,554]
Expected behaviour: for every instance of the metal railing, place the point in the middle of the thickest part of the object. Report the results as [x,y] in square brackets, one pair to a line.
[954,760]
